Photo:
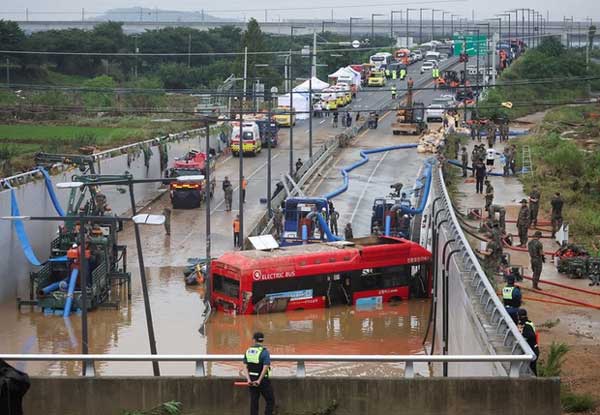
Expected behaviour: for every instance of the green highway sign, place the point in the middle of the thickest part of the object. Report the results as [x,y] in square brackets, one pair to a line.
[475,45]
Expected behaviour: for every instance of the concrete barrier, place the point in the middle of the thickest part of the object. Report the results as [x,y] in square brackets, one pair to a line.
[343,396]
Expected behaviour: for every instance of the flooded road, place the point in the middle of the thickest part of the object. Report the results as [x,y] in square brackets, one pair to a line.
[177,309]
[390,329]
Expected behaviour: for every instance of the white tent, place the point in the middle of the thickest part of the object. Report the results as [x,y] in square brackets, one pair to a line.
[317,85]
[357,76]
[347,75]
[300,104]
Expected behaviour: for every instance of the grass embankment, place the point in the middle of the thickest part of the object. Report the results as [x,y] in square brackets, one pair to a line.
[19,142]
[566,159]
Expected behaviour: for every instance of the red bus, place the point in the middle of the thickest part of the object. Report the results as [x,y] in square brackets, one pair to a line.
[371,269]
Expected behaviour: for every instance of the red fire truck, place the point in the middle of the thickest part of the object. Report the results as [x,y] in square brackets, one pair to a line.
[371,269]
[188,195]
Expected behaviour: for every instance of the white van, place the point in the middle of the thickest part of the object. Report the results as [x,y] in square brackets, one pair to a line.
[432,56]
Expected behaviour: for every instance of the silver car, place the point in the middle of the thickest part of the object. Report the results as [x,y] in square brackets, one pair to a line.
[434,112]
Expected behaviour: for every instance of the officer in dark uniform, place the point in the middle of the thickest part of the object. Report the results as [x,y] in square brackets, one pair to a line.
[511,296]
[258,368]
[529,334]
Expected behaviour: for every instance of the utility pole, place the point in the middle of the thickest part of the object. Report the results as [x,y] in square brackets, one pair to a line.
[137,50]
[392,21]
[241,172]
[245,80]
[8,72]
[190,50]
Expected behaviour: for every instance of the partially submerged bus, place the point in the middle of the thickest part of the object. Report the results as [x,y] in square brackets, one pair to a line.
[371,269]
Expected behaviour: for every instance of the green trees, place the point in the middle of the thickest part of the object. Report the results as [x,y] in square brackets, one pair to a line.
[11,35]
[101,95]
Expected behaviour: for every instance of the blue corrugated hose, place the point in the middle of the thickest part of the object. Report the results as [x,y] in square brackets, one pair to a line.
[364,159]
[51,193]
[20,230]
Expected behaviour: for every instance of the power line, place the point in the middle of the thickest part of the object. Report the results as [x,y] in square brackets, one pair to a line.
[216,93]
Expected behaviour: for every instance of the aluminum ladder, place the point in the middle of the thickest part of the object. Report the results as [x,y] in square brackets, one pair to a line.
[527,165]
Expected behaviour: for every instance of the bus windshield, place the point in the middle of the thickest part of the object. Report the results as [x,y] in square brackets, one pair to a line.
[226,286]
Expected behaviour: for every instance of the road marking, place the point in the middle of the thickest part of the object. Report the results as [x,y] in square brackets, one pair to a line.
[322,122]
[364,191]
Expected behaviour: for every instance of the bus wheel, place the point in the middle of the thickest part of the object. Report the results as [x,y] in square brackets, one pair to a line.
[299,309]
[395,299]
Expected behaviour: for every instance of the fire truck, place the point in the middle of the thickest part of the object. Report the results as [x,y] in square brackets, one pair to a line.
[189,194]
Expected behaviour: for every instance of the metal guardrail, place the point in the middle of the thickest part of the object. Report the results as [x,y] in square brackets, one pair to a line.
[300,360]
[31,175]
[494,317]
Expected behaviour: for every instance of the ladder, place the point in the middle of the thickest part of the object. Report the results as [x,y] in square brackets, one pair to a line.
[527,165]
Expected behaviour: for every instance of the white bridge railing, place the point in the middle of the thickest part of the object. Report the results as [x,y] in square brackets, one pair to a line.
[515,361]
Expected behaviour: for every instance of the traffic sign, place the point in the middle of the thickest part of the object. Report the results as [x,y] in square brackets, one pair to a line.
[355,44]
[473,43]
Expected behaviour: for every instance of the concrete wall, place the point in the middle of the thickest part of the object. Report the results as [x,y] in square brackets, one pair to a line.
[34,201]
[354,396]
[466,334]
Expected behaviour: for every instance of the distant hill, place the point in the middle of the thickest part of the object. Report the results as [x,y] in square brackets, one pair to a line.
[136,14]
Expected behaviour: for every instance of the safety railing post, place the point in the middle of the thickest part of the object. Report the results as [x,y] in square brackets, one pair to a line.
[200,372]
[300,369]
[409,370]
[90,371]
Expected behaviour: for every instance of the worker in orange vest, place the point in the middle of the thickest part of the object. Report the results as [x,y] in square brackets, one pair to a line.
[244,185]
[236,232]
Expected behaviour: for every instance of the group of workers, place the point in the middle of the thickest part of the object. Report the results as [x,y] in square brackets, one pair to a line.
[492,130]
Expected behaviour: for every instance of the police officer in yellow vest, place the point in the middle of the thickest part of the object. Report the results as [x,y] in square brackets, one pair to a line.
[435,74]
[511,296]
[258,369]
[530,335]
[387,73]
[393,91]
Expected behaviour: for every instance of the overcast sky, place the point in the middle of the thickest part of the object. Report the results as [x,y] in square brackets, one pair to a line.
[580,9]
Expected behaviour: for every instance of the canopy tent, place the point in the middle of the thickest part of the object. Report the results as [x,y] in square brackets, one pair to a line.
[300,104]
[357,76]
[347,75]
[316,84]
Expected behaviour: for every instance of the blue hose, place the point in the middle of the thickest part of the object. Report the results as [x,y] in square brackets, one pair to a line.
[364,159]
[388,225]
[69,302]
[50,189]
[426,188]
[20,230]
[304,234]
[49,288]
[325,227]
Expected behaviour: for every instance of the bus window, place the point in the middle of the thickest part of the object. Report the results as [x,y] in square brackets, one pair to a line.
[226,286]
[305,287]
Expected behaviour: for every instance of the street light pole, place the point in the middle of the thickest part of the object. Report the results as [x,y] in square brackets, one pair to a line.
[407,33]
[373,25]
[148,310]
[443,23]
[433,23]
[351,20]
[241,176]
[208,199]
[392,21]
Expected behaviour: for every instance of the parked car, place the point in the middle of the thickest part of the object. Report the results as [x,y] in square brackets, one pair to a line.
[418,54]
[434,112]
[427,66]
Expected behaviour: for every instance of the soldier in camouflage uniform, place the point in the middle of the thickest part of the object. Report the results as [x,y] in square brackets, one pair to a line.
[523,223]
[489,197]
[536,254]
[278,222]
[556,215]
[493,256]
[464,159]
[534,205]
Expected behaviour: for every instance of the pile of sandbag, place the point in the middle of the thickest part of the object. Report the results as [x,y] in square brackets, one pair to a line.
[430,142]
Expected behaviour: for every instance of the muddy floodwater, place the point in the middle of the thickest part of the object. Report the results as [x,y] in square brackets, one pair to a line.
[177,314]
